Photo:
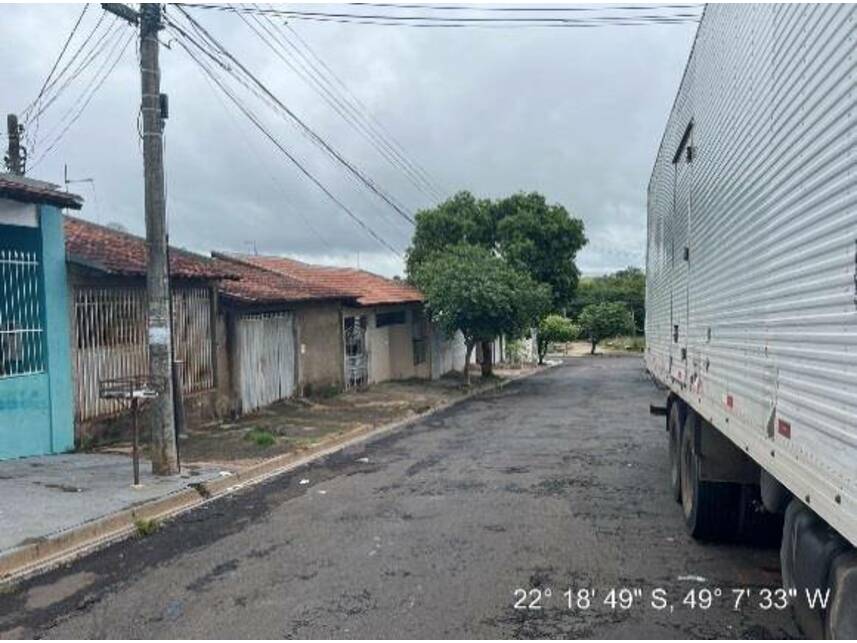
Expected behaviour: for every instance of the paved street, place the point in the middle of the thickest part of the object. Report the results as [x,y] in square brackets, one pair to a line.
[557,481]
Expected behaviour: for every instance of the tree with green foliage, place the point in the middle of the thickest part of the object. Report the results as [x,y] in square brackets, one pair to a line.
[542,240]
[470,289]
[552,329]
[535,238]
[626,286]
[604,320]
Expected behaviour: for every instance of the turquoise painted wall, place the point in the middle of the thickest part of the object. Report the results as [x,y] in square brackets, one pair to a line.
[57,319]
[36,414]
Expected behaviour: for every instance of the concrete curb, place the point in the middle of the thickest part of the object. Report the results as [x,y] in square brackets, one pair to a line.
[63,547]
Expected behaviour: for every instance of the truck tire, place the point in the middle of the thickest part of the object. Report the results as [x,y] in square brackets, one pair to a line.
[710,508]
[674,423]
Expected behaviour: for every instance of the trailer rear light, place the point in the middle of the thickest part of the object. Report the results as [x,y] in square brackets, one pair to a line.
[784,429]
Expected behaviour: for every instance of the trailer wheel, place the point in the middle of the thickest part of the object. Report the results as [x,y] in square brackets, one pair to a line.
[674,432]
[710,508]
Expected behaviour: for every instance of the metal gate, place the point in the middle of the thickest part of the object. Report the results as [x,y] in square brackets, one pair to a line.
[110,341]
[356,357]
[266,354]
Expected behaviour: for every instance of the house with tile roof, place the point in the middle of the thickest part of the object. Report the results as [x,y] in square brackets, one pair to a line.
[283,335]
[385,332]
[107,294]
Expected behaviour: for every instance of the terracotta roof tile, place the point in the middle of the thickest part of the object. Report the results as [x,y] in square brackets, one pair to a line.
[21,188]
[367,288]
[258,285]
[120,253]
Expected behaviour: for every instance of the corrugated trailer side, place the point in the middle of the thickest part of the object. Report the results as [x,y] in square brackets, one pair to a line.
[752,247]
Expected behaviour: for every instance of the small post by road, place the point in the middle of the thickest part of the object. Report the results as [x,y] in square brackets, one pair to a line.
[14,156]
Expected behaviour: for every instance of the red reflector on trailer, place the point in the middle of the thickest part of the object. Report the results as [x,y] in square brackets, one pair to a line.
[729,402]
[784,429]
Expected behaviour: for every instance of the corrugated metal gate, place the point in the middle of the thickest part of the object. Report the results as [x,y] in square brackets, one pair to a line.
[266,358]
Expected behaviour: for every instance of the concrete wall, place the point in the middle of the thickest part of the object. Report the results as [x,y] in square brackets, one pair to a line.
[447,354]
[320,362]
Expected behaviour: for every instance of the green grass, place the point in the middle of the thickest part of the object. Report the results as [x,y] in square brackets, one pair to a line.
[260,437]
[146,526]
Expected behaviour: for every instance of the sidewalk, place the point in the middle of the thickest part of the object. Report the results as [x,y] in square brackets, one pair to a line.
[53,508]
[50,494]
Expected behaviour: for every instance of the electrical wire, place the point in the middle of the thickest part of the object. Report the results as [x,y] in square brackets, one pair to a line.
[58,60]
[53,95]
[101,75]
[262,165]
[187,42]
[418,169]
[310,73]
[303,126]
[435,21]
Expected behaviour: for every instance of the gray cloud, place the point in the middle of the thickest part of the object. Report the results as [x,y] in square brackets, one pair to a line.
[574,113]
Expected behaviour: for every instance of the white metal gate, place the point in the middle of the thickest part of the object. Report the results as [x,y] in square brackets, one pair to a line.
[266,354]
[110,341]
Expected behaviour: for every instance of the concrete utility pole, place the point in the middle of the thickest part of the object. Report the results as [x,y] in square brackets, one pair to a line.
[164,451]
[14,158]
[164,456]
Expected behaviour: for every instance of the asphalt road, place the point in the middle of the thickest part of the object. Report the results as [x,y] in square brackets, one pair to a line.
[558,481]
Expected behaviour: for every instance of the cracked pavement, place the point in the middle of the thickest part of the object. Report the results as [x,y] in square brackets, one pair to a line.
[556,481]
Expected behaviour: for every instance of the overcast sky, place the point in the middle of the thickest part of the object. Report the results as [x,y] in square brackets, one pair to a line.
[576,114]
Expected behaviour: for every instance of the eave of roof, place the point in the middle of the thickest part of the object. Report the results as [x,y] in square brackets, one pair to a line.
[27,190]
[257,285]
[120,253]
[366,288]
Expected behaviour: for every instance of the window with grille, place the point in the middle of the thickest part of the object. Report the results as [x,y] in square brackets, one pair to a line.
[22,342]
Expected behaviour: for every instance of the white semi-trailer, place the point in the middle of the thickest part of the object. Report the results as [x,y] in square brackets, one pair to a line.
[751,309]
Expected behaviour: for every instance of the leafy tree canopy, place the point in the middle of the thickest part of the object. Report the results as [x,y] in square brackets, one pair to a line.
[552,329]
[470,289]
[604,320]
[626,286]
[538,239]
[542,240]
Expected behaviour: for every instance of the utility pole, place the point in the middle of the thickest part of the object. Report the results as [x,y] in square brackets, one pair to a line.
[163,445]
[16,156]
[164,456]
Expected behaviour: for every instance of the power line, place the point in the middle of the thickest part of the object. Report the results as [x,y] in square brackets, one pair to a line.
[521,9]
[312,135]
[247,142]
[186,41]
[316,78]
[28,112]
[436,21]
[382,131]
[57,61]
[98,79]
[51,95]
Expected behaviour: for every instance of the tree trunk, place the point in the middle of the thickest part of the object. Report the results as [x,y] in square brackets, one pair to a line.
[467,356]
[487,359]
[594,343]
